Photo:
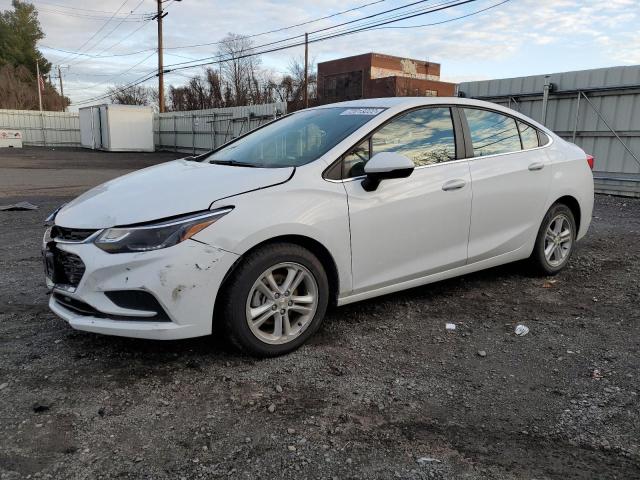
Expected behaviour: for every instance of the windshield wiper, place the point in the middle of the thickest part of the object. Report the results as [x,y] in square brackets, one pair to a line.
[234,163]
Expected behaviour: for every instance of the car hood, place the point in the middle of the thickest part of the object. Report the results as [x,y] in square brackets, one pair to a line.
[164,190]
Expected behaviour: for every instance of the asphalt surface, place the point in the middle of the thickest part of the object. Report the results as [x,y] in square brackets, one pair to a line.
[383,391]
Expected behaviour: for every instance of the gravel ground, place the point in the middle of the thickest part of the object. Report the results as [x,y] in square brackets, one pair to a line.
[383,391]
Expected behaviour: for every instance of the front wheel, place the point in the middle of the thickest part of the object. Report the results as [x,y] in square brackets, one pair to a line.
[275,300]
[556,240]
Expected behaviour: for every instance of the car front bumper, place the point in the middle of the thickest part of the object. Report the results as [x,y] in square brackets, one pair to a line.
[184,280]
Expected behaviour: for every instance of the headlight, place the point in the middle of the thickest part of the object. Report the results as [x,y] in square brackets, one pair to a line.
[157,235]
[48,222]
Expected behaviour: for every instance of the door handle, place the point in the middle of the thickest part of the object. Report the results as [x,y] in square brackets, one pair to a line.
[456,184]
[536,166]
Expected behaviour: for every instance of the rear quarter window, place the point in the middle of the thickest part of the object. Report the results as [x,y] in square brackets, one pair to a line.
[528,135]
[543,138]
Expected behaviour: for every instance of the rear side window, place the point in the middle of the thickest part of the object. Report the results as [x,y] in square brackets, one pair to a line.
[529,136]
[492,133]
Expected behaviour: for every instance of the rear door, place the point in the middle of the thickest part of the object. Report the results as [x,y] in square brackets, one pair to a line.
[415,226]
[511,177]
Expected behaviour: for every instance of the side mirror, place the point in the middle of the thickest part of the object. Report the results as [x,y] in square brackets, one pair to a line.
[383,166]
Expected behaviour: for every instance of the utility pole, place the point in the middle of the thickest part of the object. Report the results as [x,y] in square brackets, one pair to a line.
[64,107]
[159,16]
[306,70]
[38,80]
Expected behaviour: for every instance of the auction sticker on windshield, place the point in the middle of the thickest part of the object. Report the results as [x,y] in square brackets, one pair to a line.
[362,111]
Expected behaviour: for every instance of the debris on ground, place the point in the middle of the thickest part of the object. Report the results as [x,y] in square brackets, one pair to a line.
[18,207]
[450,326]
[425,460]
[521,330]
[40,407]
[597,374]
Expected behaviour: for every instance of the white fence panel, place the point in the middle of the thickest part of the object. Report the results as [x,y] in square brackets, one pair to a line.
[193,132]
[51,129]
[198,131]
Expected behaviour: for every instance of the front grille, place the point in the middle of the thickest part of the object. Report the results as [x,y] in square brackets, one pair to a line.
[70,234]
[69,268]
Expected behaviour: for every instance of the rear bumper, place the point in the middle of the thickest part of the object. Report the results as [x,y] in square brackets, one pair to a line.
[184,279]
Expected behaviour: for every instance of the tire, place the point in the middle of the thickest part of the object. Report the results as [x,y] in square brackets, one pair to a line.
[558,257]
[304,307]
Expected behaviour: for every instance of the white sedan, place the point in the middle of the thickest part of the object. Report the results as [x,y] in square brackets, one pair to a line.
[325,206]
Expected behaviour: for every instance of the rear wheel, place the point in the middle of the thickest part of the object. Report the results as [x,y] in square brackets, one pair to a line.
[556,240]
[275,300]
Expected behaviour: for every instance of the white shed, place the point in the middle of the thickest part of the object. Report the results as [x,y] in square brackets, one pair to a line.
[117,128]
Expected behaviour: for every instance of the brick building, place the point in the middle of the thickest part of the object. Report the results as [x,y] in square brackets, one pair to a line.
[374,75]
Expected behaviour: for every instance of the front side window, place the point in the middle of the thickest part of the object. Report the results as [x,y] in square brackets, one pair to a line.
[426,136]
[492,133]
[296,139]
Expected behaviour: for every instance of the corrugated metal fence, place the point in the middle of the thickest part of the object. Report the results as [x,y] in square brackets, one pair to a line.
[43,128]
[202,130]
[192,132]
[599,110]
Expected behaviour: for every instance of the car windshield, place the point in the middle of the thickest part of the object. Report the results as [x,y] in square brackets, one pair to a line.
[294,140]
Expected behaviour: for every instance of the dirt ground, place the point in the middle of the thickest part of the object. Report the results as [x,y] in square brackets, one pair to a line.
[382,392]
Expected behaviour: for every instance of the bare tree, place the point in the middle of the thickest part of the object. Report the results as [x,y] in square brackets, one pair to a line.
[134,95]
[291,87]
[239,69]
[201,92]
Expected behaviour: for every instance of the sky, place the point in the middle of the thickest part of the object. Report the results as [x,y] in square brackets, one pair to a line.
[515,38]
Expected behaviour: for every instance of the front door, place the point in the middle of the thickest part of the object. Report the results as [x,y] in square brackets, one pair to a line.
[410,227]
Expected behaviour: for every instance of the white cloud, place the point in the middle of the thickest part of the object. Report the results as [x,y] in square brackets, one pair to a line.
[569,30]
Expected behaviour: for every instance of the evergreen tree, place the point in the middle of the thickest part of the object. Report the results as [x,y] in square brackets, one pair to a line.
[19,32]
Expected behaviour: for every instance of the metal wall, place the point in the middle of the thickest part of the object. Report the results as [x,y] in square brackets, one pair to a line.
[201,130]
[599,110]
[43,128]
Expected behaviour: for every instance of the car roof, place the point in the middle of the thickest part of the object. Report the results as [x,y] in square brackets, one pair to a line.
[398,104]
[388,102]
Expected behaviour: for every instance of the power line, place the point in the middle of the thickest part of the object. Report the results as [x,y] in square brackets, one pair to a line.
[109,33]
[124,72]
[294,37]
[90,16]
[79,8]
[289,27]
[383,21]
[424,9]
[436,8]
[90,55]
[446,21]
[98,31]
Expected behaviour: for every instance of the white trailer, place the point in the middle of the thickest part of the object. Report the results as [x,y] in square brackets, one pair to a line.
[117,128]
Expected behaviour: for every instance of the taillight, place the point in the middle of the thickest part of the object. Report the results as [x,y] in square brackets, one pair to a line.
[590,161]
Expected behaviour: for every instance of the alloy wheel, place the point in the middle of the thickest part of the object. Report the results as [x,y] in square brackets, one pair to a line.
[282,303]
[558,240]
